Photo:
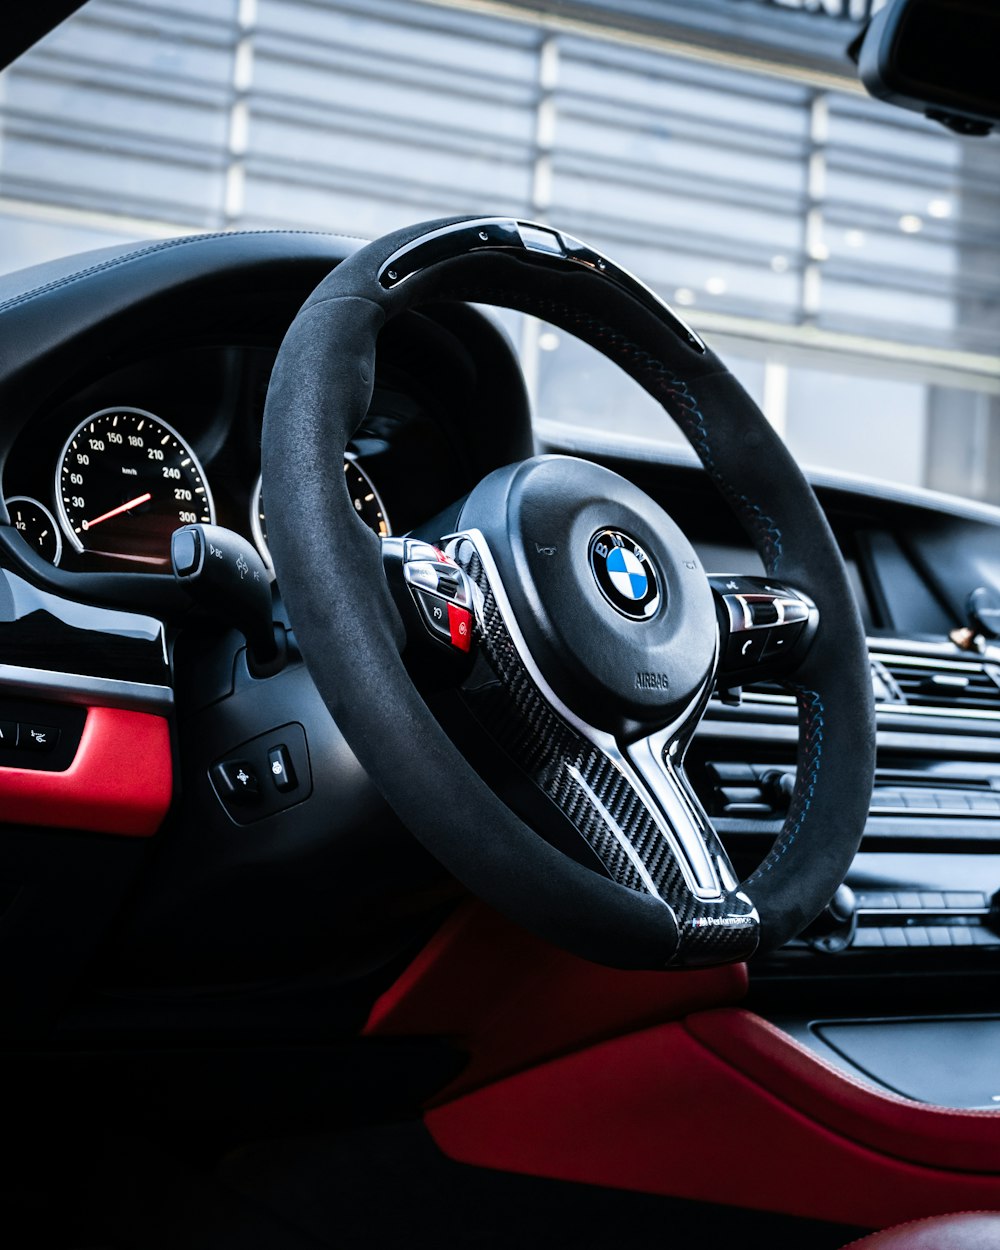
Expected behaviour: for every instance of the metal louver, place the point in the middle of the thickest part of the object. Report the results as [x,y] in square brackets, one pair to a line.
[949,685]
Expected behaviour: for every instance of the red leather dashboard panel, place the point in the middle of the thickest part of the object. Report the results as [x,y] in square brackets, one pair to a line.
[511,999]
[968,1141]
[120,781]
[659,1112]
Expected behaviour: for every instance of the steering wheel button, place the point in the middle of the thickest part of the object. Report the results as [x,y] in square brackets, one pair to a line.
[435,614]
[783,639]
[282,773]
[422,573]
[8,733]
[460,627]
[745,649]
[452,585]
[763,612]
[732,585]
[236,781]
[37,737]
[794,610]
[415,550]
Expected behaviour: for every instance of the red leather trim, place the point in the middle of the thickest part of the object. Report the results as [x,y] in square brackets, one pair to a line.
[937,1136]
[511,1000]
[659,1113]
[120,781]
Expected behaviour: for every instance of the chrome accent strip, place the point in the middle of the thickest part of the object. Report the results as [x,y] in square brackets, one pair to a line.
[886,709]
[257,530]
[923,661]
[939,813]
[92,691]
[956,713]
[889,912]
[690,851]
[651,757]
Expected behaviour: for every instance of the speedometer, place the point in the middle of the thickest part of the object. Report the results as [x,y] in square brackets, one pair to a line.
[125,481]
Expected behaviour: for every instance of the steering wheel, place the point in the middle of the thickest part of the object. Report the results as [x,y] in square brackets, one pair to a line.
[602,635]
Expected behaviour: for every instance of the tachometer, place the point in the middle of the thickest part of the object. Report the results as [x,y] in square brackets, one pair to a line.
[362,490]
[125,481]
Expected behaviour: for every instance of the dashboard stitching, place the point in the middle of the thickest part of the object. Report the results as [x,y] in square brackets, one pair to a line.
[812,710]
[163,245]
[686,411]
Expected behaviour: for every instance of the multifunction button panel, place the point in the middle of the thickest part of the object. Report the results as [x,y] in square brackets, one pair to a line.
[265,775]
[442,592]
[40,736]
[762,623]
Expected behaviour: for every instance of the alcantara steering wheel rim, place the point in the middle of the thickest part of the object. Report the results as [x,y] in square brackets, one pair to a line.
[350,633]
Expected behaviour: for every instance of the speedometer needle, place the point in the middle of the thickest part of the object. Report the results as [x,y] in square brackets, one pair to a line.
[124,507]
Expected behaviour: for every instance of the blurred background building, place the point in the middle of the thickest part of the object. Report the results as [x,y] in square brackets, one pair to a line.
[842,255]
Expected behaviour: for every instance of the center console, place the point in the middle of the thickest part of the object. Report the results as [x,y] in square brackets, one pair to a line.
[904,977]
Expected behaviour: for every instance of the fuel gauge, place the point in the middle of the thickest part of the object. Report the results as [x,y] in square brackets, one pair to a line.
[37,526]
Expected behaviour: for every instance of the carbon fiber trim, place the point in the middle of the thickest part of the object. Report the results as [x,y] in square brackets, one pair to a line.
[594,793]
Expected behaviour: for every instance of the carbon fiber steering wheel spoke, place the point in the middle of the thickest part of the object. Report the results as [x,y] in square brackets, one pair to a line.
[631,805]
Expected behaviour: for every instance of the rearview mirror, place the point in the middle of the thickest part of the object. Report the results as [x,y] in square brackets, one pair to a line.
[938,57]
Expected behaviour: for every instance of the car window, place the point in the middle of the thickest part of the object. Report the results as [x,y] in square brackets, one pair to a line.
[842,255]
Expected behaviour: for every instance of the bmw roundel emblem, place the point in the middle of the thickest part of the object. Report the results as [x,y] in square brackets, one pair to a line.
[625,574]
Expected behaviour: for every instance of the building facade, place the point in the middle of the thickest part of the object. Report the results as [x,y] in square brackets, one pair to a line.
[844,256]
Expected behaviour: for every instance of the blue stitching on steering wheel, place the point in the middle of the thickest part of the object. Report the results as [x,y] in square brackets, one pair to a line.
[694,427]
[685,410]
[813,713]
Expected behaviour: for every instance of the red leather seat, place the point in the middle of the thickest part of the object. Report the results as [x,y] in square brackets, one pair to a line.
[969,1230]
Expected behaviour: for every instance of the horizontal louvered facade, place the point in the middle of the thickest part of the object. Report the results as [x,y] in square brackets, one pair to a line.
[809,226]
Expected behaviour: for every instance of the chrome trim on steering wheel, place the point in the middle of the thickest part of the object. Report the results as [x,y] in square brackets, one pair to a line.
[630,804]
[534,243]
[685,841]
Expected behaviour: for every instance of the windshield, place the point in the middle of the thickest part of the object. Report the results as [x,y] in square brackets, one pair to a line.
[843,256]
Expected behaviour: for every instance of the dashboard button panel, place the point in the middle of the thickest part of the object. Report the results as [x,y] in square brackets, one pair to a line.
[236,782]
[263,776]
[40,736]
[37,737]
[763,624]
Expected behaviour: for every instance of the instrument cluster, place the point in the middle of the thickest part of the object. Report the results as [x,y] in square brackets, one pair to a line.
[126,475]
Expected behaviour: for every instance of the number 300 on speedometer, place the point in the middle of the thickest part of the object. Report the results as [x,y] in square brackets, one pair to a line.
[125,482]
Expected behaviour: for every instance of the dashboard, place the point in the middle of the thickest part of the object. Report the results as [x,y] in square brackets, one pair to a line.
[138,407]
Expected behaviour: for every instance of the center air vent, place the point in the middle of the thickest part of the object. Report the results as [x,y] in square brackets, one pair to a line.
[944,684]
[918,684]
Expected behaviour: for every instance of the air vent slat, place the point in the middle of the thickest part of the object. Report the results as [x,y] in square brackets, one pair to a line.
[916,684]
[961,687]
